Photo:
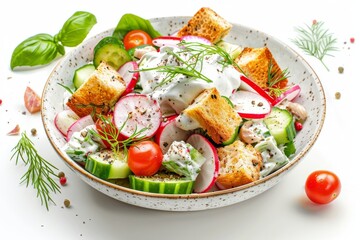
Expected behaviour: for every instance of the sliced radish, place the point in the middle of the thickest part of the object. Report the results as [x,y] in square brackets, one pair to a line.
[248,85]
[127,72]
[64,119]
[166,41]
[209,170]
[289,95]
[169,132]
[79,125]
[191,38]
[250,104]
[137,112]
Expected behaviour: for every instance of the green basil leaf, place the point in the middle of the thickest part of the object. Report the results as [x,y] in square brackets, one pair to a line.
[36,50]
[76,28]
[130,22]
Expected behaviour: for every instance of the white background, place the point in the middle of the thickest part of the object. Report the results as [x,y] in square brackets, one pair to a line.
[283,212]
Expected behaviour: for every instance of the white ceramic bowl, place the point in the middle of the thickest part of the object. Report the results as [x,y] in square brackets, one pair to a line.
[312,98]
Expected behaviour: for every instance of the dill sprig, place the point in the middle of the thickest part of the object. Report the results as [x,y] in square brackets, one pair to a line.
[316,41]
[40,172]
[274,77]
[109,133]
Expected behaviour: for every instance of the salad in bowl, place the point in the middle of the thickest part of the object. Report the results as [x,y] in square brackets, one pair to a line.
[183,111]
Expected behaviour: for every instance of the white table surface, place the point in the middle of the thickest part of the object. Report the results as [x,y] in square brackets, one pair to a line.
[283,212]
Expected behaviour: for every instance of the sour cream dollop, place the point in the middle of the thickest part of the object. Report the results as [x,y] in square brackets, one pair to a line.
[175,93]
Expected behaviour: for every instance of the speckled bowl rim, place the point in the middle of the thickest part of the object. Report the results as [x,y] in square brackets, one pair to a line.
[79,169]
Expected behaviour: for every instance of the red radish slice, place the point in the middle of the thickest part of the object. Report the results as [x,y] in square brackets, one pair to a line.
[169,132]
[64,119]
[289,95]
[166,41]
[250,105]
[209,170]
[248,85]
[191,38]
[130,77]
[79,125]
[135,112]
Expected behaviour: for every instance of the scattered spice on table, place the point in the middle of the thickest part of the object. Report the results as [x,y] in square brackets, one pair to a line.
[341,69]
[33,131]
[337,95]
[61,174]
[352,40]
[67,203]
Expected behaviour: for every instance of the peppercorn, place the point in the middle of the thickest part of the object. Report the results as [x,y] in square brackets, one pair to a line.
[61,174]
[33,131]
[337,95]
[340,69]
[67,203]
[63,180]
[352,40]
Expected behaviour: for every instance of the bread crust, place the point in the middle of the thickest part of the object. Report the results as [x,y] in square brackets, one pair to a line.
[208,24]
[239,164]
[215,115]
[99,93]
[254,62]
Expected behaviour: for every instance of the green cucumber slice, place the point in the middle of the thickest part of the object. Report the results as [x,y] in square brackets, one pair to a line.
[82,74]
[233,137]
[280,123]
[166,183]
[232,49]
[111,50]
[105,164]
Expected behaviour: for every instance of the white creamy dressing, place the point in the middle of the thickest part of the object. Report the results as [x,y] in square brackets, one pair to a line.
[178,93]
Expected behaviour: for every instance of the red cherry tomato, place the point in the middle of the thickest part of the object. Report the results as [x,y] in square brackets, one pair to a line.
[145,158]
[136,38]
[322,186]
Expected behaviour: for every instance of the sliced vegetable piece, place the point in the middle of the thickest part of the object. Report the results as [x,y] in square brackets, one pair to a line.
[209,170]
[106,164]
[232,49]
[280,123]
[248,85]
[166,183]
[135,38]
[78,125]
[289,95]
[112,51]
[168,132]
[250,104]
[82,74]
[32,100]
[166,41]
[137,112]
[130,76]
[195,39]
[64,119]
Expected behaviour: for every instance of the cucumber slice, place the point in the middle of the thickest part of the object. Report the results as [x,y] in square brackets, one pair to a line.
[232,49]
[280,123]
[162,183]
[106,164]
[82,74]
[233,137]
[112,51]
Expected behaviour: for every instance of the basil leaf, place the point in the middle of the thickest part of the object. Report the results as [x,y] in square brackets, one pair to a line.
[76,28]
[130,22]
[36,50]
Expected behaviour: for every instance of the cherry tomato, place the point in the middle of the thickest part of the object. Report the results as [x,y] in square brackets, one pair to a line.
[136,38]
[145,158]
[322,186]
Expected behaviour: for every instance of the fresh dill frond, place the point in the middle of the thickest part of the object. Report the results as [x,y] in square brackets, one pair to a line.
[66,88]
[316,41]
[109,133]
[40,173]
[275,76]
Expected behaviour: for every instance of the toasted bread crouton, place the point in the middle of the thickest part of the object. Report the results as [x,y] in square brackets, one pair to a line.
[239,164]
[99,93]
[207,24]
[255,63]
[215,115]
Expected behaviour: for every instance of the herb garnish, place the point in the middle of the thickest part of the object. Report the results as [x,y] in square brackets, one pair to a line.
[40,172]
[274,77]
[316,41]
[191,66]
[109,133]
